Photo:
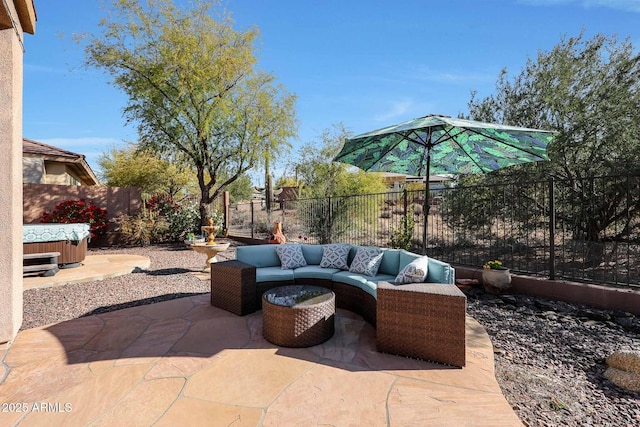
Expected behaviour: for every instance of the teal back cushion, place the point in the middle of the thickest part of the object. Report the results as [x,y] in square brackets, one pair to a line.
[258,255]
[390,261]
[405,258]
[312,254]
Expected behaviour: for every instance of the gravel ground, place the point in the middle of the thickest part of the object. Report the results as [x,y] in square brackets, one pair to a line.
[550,356]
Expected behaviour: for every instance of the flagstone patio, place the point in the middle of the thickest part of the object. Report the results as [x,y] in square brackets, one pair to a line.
[184,362]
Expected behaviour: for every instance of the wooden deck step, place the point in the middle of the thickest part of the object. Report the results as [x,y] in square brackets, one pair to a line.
[38,267]
[45,263]
[41,255]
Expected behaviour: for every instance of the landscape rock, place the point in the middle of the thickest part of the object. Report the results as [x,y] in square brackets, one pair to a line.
[555,348]
[625,360]
[623,379]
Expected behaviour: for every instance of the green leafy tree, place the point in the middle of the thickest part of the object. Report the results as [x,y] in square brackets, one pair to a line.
[322,176]
[130,167]
[241,190]
[330,218]
[588,91]
[194,90]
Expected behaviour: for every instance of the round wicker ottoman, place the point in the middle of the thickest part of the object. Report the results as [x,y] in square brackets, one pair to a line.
[298,316]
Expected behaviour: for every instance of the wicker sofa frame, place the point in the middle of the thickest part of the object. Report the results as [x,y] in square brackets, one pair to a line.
[234,288]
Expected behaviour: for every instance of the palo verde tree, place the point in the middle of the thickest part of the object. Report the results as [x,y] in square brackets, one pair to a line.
[194,90]
[588,91]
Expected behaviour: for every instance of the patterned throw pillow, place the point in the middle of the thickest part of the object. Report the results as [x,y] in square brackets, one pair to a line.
[367,261]
[290,256]
[335,256]
[415,272]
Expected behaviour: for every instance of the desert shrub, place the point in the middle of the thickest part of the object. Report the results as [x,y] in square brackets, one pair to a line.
[181,219]
[143,229]
[162,220]
[402,236]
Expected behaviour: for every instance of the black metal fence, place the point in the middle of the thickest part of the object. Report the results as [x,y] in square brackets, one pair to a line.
[583,230]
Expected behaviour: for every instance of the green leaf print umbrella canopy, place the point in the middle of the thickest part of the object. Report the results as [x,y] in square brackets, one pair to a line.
[442,145]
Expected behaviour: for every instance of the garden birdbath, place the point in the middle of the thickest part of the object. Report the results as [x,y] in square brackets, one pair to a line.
[210,251]
[210,248]
[211,231]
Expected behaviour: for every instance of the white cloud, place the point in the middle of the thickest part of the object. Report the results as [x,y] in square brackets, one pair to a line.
[44,123]
[422,73]
[626,5]
[546,2]
[44,69]
[73,144]
[396,109]
[404,109]
[443,77]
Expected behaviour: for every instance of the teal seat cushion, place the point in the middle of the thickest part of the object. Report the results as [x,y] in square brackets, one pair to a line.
[273,274]
[314,272]
[312,253]
[366,283]
[258,255]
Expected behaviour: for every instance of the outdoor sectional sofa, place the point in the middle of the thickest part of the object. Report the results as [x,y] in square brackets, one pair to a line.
[238,285]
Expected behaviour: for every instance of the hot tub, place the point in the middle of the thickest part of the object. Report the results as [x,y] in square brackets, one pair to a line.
[68,239]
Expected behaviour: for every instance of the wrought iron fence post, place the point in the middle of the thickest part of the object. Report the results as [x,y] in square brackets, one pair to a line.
[252,224]
[329,222]
[552,230]
[225,212]
[406,214]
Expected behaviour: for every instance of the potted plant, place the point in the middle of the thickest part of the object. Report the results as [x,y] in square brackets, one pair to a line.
[190,238]
[496,278]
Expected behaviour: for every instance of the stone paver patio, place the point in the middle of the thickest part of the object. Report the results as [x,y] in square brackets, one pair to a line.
[184,362]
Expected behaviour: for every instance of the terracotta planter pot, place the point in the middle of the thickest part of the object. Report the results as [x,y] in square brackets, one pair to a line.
[496,281]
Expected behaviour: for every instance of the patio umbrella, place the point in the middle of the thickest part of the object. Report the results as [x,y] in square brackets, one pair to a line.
[443,145]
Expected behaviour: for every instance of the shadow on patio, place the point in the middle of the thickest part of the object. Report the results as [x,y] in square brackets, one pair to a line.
[185,362]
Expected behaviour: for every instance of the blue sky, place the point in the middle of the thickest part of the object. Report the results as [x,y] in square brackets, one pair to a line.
[366,64]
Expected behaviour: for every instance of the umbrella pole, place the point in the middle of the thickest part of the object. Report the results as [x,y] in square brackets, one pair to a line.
[425,208]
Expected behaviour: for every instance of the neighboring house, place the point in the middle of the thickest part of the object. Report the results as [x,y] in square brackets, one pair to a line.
[45,164]
[397,180]
[286,193]
[258,193]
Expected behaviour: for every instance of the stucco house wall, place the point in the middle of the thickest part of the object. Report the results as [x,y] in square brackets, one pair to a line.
[16,18]
[33,170]
[59,174]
